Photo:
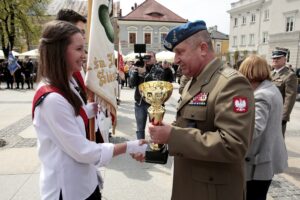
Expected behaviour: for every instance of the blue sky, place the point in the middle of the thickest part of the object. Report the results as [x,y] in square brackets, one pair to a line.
[213,12]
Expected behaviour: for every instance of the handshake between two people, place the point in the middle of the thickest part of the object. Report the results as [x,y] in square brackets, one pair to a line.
[137,149]
[158,134]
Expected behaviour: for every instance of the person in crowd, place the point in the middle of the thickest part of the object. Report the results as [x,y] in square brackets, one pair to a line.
[286,82]
[175,68]
[121,75]
[68,160]
[8,77]
[28,72]
[150,71]
[126,73]
[19,75]
[168,74]
[214,120]
[267,154]
[73,17]
[2,79]
[179,74]
[183,81]
[130,72]
[79,21]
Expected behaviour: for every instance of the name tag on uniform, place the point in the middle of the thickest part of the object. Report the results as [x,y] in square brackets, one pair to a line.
[200,99]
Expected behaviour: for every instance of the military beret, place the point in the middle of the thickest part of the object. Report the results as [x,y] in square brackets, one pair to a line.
[182,32]
[279,52]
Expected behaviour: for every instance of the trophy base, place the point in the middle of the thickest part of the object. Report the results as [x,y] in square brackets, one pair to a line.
[157,156]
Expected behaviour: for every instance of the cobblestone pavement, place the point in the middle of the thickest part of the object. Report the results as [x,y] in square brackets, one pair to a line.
[11,137]
[280,189]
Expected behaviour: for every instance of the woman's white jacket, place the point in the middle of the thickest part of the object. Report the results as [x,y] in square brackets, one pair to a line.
[267,154]
[68,160]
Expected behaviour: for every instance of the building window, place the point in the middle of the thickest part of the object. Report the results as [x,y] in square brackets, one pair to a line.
[244,20]
[251,39]
[289,24]
[235,21]
[266,14]
[162,37]
[218,48]
[147,38]
[265,38]
[132,38]
[253,18]
[243,40]
[234,41]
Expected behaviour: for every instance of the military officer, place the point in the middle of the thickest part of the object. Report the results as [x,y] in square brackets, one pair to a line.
[286,81]
[214,122]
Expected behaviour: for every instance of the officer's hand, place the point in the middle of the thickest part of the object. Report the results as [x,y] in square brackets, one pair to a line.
[160,134]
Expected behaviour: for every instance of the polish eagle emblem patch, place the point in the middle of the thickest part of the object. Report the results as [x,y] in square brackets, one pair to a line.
[240,104]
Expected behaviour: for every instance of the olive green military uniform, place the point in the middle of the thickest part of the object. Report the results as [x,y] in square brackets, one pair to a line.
[286,82]
[214,125]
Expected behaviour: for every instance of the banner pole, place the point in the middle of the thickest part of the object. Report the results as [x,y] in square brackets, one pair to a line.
[90,94]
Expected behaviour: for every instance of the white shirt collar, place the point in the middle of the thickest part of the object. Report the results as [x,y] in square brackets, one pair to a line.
[278,70]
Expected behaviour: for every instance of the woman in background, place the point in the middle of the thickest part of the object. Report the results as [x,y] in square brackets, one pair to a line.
[267,153]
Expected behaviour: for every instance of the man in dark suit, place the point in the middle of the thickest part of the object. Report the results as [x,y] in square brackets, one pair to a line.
[286,82]
[214,121]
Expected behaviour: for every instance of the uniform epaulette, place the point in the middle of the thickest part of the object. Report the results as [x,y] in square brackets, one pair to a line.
[228,72]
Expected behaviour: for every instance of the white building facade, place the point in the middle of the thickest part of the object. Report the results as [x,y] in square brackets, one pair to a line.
[258,26]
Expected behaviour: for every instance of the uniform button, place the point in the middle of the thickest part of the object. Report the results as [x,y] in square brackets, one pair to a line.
[211,179]
[192,116]
[247,159]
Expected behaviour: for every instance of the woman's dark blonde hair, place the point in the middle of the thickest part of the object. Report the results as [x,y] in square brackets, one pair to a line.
[52,61]
[255,69]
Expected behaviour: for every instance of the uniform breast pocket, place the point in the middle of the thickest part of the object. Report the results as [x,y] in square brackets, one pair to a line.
[195,113]
[210,175]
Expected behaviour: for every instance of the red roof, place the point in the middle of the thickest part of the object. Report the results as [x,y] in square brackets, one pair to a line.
[150,10]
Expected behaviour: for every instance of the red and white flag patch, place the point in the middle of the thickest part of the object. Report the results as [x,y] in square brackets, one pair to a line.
[240,104]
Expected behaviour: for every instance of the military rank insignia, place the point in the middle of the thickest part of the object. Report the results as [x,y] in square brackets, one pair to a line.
[199,100]
[240,104]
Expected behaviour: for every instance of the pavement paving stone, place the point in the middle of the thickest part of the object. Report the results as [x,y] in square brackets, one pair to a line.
[19,161]
[11,184]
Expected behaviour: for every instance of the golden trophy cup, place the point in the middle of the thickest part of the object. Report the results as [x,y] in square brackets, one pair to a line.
[156,93]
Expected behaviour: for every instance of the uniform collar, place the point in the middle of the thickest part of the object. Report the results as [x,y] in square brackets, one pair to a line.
[278,70]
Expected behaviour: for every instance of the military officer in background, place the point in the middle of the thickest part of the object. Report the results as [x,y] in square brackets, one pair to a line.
[286,81]
[183,81]
[214,122]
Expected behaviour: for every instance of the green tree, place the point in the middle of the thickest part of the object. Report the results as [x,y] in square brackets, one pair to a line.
[20,19]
